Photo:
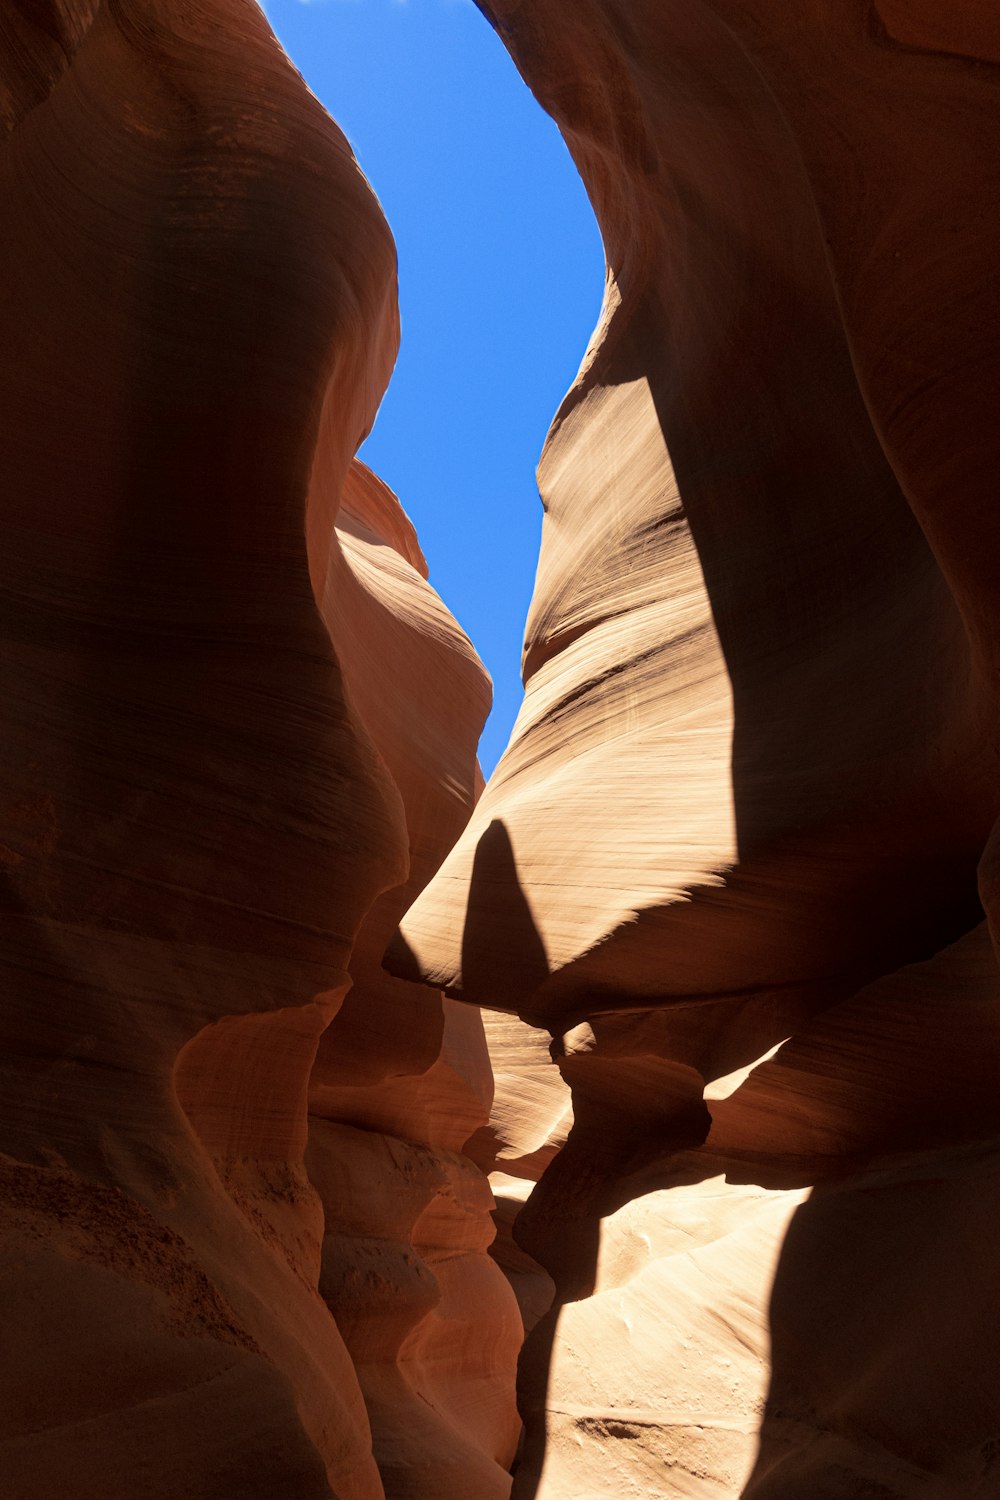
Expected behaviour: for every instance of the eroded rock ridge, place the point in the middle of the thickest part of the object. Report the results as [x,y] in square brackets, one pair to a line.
[738,858]
[730,900]
[241,1249]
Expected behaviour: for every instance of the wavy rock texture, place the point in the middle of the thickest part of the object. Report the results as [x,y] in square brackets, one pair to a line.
[402,1079]
[204,802]
[734,862]
[748,795]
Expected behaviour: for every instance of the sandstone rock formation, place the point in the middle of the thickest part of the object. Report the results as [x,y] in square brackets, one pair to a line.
[736,872]
[748,796]
[402,1078]
[217,802]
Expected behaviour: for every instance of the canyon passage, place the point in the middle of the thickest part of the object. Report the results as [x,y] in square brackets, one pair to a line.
[629,1126]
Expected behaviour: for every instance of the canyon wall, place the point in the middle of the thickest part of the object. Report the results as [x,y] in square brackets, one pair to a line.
[730,899]
[241,1249]
[737,860]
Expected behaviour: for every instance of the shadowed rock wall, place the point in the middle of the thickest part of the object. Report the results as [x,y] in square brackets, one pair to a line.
[217,800]
[735,862]
[746,802]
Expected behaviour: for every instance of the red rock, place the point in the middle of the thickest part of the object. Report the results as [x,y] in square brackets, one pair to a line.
[403,1079]
[731,864]
[752,778]
[198,321]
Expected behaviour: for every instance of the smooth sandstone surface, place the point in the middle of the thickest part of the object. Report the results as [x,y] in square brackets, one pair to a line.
[732,897]
[217,801]
[739,634]
[402,1077]
[734,857]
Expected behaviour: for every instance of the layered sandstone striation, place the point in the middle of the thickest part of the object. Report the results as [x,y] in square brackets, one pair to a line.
[402,1078]
[731,896]
[733,858]
[239,1255]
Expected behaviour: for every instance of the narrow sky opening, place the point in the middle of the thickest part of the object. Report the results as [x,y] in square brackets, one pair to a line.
[501,274]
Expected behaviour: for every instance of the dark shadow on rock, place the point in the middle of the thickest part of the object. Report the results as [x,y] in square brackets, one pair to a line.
[885,1328]
[846,656]
[400,961]
[500,932]
[532,1401]
[500,935]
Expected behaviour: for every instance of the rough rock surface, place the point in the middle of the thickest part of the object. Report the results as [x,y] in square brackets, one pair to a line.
[748,796]
[216,802]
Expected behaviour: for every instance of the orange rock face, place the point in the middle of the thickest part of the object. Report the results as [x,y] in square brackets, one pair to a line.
[217,802]
[402,1079]
[731,897]
[745,806]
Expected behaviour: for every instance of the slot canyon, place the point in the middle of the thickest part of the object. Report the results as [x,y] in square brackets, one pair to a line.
[627,1127]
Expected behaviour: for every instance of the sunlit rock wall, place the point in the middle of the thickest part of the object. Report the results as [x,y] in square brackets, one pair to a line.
[216,803]
[746,802]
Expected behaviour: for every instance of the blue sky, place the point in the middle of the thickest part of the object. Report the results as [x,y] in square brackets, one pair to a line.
[501,275]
